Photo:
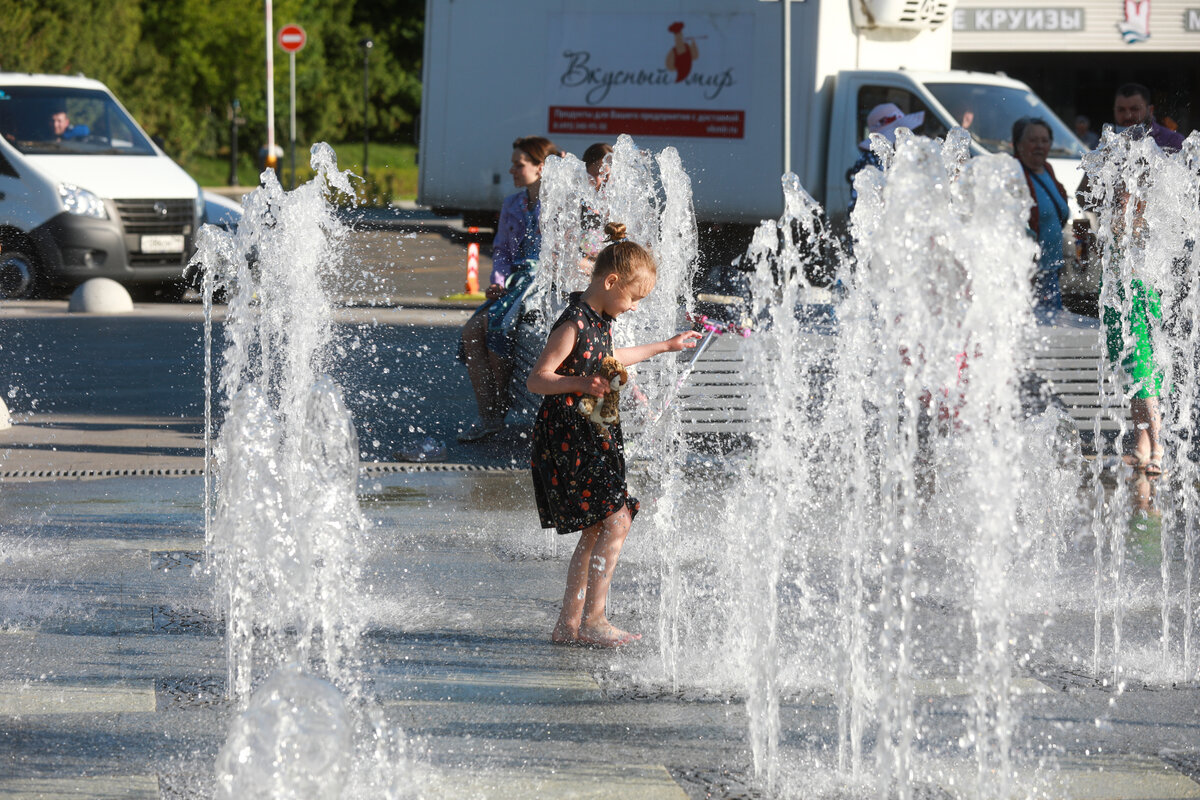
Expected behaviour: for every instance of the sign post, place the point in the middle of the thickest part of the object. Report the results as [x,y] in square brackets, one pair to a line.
[269,161]
[292,39]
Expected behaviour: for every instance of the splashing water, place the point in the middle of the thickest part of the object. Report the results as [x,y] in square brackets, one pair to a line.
[284,530]
[933,340]
[916,393]
[775,496]
[1147,237]
[293,741]
[285,524]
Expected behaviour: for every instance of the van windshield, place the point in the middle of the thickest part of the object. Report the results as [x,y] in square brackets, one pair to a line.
[988,114]
[40,120]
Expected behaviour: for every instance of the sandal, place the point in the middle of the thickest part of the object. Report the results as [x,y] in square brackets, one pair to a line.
[480,430]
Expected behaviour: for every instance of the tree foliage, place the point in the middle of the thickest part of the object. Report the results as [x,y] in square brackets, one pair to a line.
[178,64]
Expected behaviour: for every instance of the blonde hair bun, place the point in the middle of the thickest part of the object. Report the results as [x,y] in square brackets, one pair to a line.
[628,260]
[614,232]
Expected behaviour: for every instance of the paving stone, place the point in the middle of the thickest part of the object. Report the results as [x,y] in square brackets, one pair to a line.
[23,699]
[93,787]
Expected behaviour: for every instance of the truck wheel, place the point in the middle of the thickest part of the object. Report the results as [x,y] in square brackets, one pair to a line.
[168,292]
[173,291]
[19,277]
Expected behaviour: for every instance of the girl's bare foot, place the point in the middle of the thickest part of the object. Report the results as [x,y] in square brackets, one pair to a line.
[605,635]
[563,634]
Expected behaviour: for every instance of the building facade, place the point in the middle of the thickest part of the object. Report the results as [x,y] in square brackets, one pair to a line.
[1074,53]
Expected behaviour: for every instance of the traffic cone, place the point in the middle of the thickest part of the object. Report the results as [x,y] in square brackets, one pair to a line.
[473,265]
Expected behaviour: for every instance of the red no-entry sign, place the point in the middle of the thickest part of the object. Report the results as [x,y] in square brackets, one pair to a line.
[292,38]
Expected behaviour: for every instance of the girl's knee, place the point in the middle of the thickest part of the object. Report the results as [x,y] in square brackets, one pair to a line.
[588,536]
[619,521]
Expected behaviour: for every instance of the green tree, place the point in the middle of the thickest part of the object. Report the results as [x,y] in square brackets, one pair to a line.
[178,64]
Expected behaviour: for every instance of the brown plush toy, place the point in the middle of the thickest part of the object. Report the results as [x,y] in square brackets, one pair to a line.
[605,411]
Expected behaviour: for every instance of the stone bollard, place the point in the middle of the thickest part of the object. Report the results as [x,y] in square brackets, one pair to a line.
[100,296]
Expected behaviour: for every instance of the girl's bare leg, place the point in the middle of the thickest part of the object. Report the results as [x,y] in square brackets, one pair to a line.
[1148,423]
[479,369]
[567,627]
[594,627]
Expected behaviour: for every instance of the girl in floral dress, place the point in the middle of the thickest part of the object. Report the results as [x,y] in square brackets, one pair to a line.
[579,469]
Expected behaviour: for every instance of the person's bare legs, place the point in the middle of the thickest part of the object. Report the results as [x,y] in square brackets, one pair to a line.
[594,627]
[502,369]
[1148,449]
[567,628]
[479,367]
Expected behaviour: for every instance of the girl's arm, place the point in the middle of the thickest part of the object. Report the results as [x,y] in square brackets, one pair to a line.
[504,245]
[632,355]
[544,380]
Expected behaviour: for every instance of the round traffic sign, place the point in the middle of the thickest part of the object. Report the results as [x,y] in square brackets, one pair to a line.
[292,38]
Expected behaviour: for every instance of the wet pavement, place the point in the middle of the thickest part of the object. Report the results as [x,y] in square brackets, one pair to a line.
[112,665]
[104,393]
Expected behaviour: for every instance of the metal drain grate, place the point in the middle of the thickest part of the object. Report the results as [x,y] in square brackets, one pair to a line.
[185,621]
[101,473]
[173,694]
[372,468]
[1066,680]
[377,467]
[716,784]
[1187,762]
[186,779]
[168,560]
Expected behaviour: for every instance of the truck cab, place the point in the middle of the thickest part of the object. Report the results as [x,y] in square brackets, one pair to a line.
[985,105]
[85,192]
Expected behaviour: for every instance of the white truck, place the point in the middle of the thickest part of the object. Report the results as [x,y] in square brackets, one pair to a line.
[745,90]
[85,193]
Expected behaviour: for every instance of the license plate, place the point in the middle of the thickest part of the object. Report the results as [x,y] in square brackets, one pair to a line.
[163,243]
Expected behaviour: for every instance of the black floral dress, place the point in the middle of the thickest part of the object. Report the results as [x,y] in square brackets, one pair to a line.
[578,472]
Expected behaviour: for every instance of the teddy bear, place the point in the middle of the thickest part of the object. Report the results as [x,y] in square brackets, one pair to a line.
[605,411]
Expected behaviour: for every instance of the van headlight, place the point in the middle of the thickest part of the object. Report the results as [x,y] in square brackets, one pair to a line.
[81,201]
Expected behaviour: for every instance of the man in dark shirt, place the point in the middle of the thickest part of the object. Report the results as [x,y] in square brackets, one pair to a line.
[1132,109]
[1133,112]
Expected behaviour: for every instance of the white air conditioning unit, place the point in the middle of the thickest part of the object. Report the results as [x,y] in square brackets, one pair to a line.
[906,14]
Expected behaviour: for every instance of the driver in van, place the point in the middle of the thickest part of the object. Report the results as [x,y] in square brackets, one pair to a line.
[61,127]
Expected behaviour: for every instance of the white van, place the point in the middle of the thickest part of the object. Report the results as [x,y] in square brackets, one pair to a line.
[85,193]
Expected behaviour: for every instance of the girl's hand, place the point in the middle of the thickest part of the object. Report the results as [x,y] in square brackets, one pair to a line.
[682,340]
[595,385]
[495,291]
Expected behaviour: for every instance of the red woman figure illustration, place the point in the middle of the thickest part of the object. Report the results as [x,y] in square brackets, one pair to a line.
[682,53]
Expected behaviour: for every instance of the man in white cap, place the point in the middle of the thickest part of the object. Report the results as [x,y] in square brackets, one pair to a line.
[884,119]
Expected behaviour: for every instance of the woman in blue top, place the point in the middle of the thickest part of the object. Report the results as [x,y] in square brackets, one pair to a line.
[486,346]
[1031,145]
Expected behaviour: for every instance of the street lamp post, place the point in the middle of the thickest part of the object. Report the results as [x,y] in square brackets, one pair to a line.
[235,119]
[367,44]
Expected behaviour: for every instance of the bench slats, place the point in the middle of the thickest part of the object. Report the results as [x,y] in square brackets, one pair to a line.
[715,397]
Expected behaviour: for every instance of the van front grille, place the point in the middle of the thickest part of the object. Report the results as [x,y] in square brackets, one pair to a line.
[177,260]
[156,216]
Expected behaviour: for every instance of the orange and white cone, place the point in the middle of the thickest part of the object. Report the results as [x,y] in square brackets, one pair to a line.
[472,268]
[472,286]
